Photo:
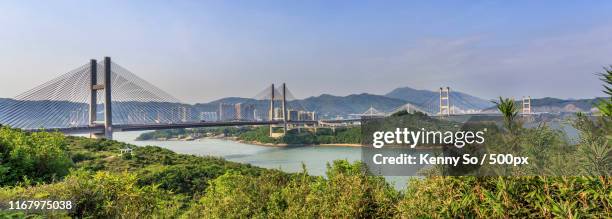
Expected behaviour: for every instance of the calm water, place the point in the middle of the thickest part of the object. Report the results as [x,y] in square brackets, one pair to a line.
[288,159]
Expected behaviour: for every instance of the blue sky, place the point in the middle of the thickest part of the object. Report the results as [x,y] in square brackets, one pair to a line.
[203,50]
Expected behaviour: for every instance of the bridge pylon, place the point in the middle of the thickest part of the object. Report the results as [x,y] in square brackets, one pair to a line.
[93,94]
[526,106]
[445,106]
[271,112]
[284,108]
[274,115]
[93,102]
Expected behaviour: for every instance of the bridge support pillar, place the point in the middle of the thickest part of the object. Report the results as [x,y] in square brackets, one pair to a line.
[284,108]
[93,101]
[93,95]
[271,113]
[108,110]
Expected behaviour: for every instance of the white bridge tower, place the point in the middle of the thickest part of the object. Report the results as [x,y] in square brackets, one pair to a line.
[445,106]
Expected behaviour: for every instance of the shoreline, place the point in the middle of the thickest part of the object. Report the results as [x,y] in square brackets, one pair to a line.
[235,139]
[281,145]
[340,145]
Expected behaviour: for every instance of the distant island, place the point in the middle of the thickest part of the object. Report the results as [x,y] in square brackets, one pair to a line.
[349,136]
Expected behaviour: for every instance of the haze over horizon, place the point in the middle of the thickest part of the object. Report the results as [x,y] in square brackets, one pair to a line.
[203,51]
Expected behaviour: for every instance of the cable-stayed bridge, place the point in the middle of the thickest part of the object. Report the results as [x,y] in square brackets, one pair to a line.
[102,98]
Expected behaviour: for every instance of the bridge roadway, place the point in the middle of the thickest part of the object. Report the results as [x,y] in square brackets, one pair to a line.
[161,126]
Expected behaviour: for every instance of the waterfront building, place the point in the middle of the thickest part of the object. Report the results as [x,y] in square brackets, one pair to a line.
[245,111]
[208,116]
[293,115]
[307,115]
[227,112]
[278,113]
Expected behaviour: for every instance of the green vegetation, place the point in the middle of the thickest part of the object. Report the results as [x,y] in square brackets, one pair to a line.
[502,197]
[155,182]
[304,136]
[151,182]
[509,109]
[343,135]
[605,105]
[589,196]
[99,195]
[162,134]
[348,192]
[39,157]
[195,132]
[100,180]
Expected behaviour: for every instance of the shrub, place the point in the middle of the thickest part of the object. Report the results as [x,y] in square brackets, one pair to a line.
[100,195]
[39,156]
[349,192]
[503,197]
[234,195]
[183,179]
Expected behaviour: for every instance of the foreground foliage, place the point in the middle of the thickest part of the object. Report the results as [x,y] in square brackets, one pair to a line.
[348,192]
[156,182]
[525,197]
[37,157]
[100,195]
[605,106]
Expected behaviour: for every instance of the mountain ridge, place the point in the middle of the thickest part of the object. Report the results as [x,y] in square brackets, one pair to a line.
[430,100]
[557,105]
[331,106]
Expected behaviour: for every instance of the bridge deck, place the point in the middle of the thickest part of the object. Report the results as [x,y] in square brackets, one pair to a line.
[160,126]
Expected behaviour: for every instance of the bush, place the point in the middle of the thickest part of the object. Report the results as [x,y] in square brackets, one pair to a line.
[234,195]
[348,193]
[504,197]
[38,157]
[81,156]
[183,179]
[100,195]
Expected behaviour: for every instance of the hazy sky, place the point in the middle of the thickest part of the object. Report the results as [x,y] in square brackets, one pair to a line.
[203,50]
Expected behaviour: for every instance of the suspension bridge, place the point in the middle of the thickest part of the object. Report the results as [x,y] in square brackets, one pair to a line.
[102,98]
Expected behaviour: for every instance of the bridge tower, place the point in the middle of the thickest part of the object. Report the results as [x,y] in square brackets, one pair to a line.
[284,108]
[445,106]
[271,112]
[93,97]
[93,103]
[526,105]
